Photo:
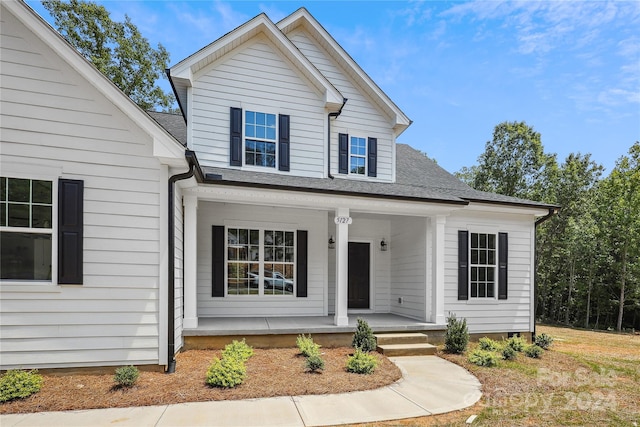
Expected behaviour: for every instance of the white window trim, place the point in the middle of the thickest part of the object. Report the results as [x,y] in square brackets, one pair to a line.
[246,166]
[366,150]
[483,300]
[45,174]
[261,295]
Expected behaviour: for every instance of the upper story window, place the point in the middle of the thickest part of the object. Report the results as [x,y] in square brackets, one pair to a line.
[357,156]
[26,229]
[260,139]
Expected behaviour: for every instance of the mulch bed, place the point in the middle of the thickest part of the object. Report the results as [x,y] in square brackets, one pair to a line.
[272,372]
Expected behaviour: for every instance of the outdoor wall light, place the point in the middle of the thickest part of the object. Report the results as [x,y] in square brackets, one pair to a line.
[384,245]
[332,243]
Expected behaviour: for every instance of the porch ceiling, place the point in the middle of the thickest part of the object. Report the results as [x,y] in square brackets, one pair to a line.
[220,326]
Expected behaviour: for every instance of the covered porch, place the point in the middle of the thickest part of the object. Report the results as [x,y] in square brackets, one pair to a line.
[214,332]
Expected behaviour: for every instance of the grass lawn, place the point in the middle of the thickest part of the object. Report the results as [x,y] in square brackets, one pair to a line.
[587,378]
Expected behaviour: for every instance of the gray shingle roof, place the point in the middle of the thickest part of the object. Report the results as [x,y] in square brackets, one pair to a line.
[417,178]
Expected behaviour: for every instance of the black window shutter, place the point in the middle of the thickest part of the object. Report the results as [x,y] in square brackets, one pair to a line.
[301,264]
[463,265]
[373,157]
[217,261]
[503,250]
[70,248]
[343,153]
[235,146]
[284,142]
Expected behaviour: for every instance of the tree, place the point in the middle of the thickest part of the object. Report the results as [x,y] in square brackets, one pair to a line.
[513,163]
[117,49]
[620,218]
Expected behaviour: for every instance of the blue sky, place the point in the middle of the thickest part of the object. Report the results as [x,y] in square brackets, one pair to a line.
[570,69]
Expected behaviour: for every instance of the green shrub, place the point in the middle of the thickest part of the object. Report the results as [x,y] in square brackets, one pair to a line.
[533,351]
[517,343]
[238,350]
[364,338]
[314,363]
[226,372]
[456,337]
[126,376]
[306,346]
[16,384]
[544,341]
[361,362]
[508,353]
[488,344]
[483,358]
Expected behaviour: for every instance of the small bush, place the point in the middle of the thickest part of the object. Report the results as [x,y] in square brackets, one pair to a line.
[314,363]
[226,372]
[361,362]
[16,384]
[126,376]
[363,337]
[488,344]
[544,341]
[456,337]
[517,343]
[306,346]
[508,353]
[483,358]
[238,350]
[533,351]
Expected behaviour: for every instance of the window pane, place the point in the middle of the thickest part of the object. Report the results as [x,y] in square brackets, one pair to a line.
[483,257]
[474,290]
[3,214]
[232,236]
[288,238]
[261,119]
[249,131]
[271,133]
[288,256]
[483,240]
[260,132]
[268,237]
[492,241]
[492,258]
[490,288]
[255,237]
[474,256]
[25,256]
[271,120]
[279,238]
[19,190]
[18,215]
[474,273]
[250,159]
[3,189]
[41,217]
[481,290]
[41,192]
[474,240]
[268,254]
[491,274]
[250,117]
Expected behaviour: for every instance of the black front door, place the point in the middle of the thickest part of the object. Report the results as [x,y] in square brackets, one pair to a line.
[359,263]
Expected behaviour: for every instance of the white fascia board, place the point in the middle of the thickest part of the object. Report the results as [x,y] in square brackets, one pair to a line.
[508,209]
[304,18]
[320,201]
[167,147]
[185,70]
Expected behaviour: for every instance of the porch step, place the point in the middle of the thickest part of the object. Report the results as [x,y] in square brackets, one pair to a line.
[419,349]
[404,344]
[402,338]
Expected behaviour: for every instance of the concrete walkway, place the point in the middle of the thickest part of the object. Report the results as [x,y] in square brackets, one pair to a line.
[430,385]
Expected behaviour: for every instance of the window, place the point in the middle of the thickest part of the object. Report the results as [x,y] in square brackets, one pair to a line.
[483,265]
[26,218]
[260,139]
[260,262]
[357,155]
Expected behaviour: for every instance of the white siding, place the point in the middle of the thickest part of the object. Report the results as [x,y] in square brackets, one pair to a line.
[54,120]
[360,116]
[409,267]
[369,231]
[314,222]
[512,314]
[257,77]
[178,267]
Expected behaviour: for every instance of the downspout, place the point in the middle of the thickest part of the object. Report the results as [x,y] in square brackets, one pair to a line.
[334,115]
[171,336]
[552,212]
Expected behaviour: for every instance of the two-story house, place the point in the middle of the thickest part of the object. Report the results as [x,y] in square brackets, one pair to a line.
[289,207]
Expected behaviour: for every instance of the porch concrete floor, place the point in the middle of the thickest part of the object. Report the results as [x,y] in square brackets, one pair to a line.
[383,322]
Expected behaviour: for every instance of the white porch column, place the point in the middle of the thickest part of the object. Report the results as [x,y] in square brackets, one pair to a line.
[437,279]
[342,266]
[190,261]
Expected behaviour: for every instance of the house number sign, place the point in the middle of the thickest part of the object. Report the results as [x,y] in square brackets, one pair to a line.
[343,220]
